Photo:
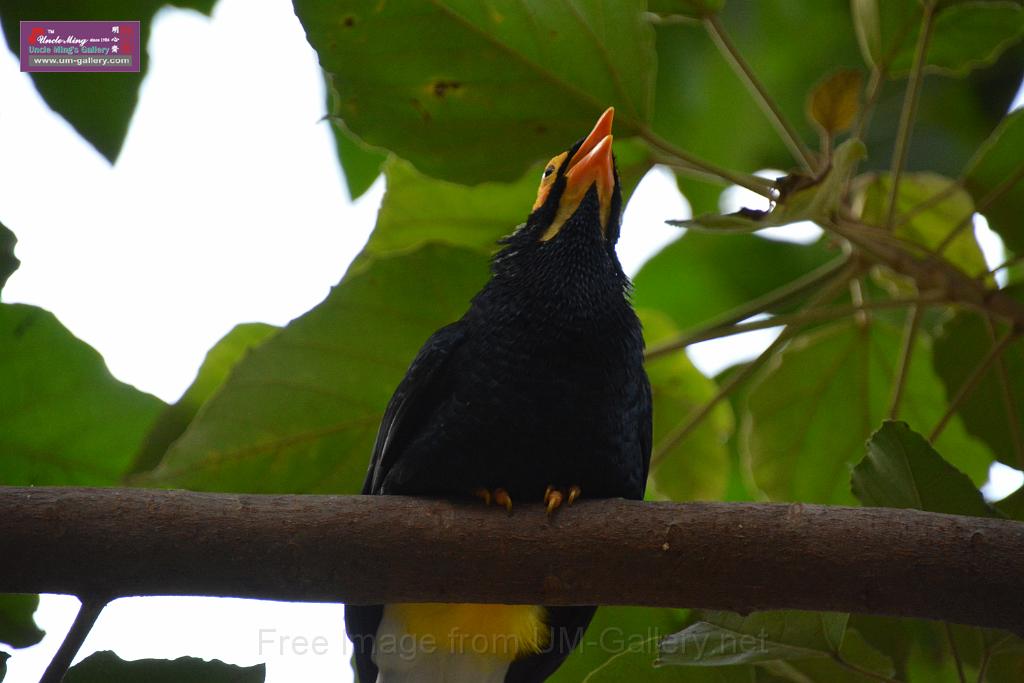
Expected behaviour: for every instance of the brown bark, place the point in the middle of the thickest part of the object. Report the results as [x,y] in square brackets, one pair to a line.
[736,556]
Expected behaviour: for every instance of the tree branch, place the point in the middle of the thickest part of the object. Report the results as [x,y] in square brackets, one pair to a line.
[359,549]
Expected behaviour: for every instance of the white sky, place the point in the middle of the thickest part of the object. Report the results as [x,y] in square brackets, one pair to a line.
[258,227]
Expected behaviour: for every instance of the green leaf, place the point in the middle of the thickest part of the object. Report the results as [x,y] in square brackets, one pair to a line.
[219,361]
[105,666]
[810,199]
[995,175]
[479,91]
[418,209]
[929,227]
[962,344]
[810,412]
[17,627]
[700,276]
[64,420]
[902,470]
[300,412]
[724,638]
[965,36]
[8,261]
[696,468]
[360,163]
[75,96]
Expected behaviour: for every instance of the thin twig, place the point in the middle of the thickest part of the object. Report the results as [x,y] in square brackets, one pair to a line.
[906,354]
[84,621]
[874,89]
[776,297]
[909,108]
[968,386]
[998,191]
[753,183]
[732,55]
[1008,402]
[956,652]
[1012,261]
[812,315]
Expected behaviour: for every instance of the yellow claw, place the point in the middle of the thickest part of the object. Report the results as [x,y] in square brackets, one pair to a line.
[502,498]
[483,494]
[552,498]
[574,493]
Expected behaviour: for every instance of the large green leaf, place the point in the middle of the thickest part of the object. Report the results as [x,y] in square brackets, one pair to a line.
[724,638]
[994,410]
[966,36]
[700,276]
[996,175]
[902,470]
[472,91]
[855,651]
[418,209]
[8,261]
[811,411]
[174,419]
[64,420]
[17,627]
[105,667]
[300,412]
[697,467]
[930,227]
[98,105]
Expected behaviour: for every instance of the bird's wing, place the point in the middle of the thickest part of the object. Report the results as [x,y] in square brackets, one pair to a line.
[407,406]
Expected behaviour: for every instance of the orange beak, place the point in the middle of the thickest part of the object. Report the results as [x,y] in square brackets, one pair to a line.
[591,164]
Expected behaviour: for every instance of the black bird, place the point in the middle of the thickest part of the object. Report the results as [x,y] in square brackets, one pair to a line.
[537,393]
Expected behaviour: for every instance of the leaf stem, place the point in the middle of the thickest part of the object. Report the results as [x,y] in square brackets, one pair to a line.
[968,386]
[809,316]
[760,94]
[776,297]
[88,612]
[867,673]
[998,191]
[1008,402]
[1012,261]
[761,186]
[909,110]
[906,354]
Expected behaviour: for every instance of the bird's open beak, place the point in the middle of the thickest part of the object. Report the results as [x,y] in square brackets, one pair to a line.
[592,164]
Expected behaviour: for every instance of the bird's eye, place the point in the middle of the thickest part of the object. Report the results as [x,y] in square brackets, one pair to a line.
[549,170]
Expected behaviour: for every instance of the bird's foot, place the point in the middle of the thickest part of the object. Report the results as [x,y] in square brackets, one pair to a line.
[554,497]
[499,496]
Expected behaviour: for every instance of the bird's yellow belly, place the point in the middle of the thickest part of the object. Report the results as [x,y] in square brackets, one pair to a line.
[504,631]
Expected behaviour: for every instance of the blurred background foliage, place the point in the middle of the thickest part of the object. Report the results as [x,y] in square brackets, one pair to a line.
[888,123]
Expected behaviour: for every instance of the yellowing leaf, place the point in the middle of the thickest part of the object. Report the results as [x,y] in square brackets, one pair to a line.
[834,102]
